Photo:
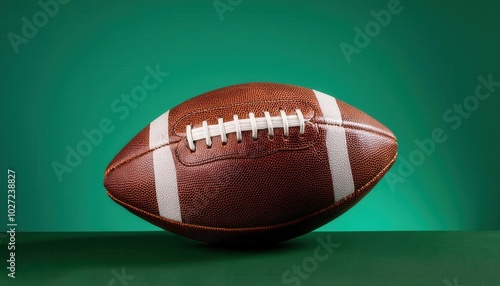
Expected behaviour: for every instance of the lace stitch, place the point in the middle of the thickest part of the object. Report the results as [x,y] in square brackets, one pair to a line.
[238,126]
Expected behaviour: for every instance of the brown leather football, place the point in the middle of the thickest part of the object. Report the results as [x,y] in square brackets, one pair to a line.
[251,163]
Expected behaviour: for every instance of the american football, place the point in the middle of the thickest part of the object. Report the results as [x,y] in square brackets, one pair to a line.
[253,163]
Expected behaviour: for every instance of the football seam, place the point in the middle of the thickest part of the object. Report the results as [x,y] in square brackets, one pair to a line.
[233,155]
[183,118]
[116,166]
[313,121]
[262,228]
[179,137]
[359,127]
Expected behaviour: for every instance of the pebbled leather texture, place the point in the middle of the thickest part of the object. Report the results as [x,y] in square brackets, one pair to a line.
[246,149]
[255,191]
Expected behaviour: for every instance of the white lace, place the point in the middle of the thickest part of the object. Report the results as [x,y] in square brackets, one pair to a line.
[238,126]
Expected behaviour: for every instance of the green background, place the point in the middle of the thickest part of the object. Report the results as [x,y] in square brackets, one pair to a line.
[387,258]
[428,58]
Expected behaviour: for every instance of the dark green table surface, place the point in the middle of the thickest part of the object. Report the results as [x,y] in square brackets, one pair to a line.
[319,258]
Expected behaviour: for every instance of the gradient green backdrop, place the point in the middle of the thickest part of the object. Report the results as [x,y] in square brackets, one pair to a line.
[64,80]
